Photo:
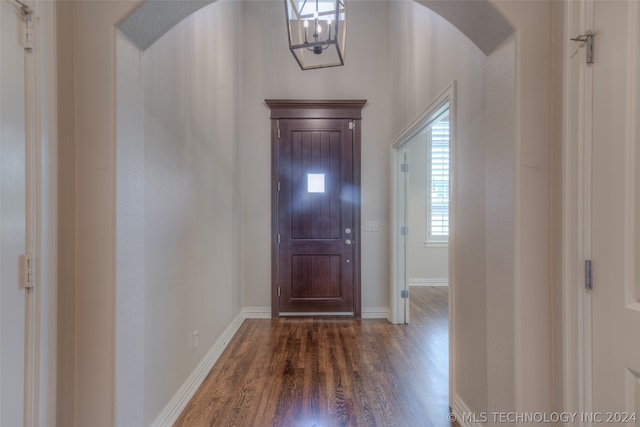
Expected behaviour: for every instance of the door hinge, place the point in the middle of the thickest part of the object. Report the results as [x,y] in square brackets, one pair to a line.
[278,238]
[404,293]
[278,290]
[352,125]
[28,273]
[404,167]
[278,185]
[587,39]
[278,125]
[588,275]
[404,231]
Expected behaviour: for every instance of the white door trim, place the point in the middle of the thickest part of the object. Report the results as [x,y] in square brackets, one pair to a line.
[41,221]
[398,306]
[46,214]
[576,213]
[32,130]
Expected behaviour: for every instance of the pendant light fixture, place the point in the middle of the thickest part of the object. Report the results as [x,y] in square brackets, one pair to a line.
[317,32]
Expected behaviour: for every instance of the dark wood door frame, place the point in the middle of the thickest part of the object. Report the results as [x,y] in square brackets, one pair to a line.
[314,109]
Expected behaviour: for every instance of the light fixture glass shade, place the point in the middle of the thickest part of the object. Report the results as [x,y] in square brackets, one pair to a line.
[317,32]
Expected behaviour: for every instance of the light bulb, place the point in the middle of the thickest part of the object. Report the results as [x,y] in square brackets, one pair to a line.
[319,29]
[329,21]
[306,24]
[315,15]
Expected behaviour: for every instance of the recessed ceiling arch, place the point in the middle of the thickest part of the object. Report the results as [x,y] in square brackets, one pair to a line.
[479,20]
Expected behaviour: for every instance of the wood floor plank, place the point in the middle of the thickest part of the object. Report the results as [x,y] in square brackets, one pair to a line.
[332,372]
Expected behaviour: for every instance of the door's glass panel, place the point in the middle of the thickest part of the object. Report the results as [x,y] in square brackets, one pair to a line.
[315,182]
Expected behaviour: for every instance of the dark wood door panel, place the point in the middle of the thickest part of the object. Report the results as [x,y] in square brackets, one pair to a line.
[315,214]
[316,207]
[316,211]
[316,276]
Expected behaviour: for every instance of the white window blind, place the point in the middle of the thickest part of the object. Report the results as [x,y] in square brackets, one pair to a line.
[438,196]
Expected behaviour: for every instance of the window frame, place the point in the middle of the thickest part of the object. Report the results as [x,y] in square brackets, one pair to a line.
[432,240]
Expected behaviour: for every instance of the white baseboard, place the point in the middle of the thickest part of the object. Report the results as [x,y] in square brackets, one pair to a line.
[257,312]
[375,313]
[463,414]
[428,282]
[176,405]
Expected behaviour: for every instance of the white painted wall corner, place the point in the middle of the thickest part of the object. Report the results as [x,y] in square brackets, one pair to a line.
[174,408]
[462,414]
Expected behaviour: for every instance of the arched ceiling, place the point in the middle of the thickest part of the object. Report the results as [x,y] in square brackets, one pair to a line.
[477,19]
[153,18]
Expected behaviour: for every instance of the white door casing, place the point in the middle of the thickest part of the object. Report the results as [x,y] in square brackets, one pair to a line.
[601,213]
[399,312]
[12,214]
[399,307]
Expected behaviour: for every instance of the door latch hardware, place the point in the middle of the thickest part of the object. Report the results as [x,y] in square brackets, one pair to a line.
[404,293]
[587,39]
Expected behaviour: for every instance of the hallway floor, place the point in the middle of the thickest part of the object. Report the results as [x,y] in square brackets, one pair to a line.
[332,372]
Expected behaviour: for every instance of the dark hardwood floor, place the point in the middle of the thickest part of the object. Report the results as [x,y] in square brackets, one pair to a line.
[332,372]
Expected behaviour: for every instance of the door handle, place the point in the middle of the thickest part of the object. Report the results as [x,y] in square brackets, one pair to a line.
[348,242]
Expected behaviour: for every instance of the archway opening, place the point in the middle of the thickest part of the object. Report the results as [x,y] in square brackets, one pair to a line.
[186,109]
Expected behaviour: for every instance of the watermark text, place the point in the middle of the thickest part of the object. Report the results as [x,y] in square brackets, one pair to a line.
[544,417]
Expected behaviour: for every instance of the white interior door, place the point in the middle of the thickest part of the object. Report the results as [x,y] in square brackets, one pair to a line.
[615,211]
[12,214]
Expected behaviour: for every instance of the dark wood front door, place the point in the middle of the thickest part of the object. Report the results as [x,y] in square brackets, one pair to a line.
[316,225]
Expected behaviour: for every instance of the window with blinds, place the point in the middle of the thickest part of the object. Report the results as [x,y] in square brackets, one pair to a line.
[438,177]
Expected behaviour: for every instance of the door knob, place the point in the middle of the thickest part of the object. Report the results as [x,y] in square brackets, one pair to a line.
[347,242]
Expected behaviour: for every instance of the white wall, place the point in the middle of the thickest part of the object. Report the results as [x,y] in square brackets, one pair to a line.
[500,188]
[93,317]
[66,214]
[130,237]
[425,265]
[191,200]
[270,71]
[531,282]
[166,253]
